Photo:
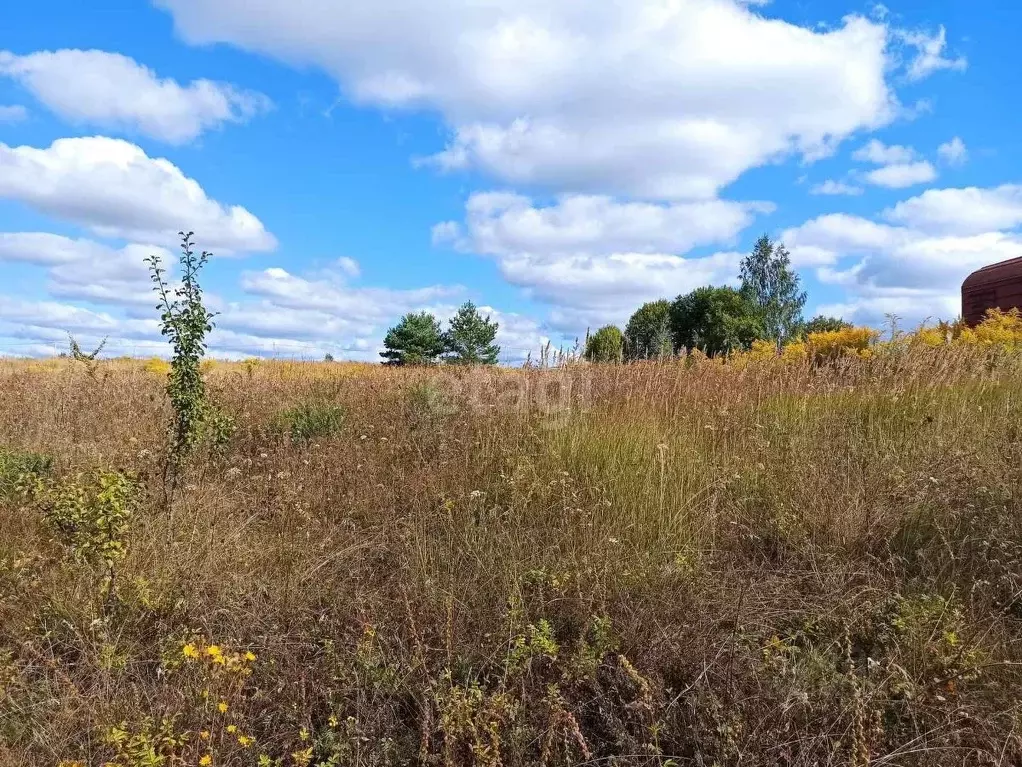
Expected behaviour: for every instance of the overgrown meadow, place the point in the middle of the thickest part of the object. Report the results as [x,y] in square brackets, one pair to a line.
[806,560]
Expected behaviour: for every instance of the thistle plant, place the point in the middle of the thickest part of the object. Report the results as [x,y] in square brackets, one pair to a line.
[186,321]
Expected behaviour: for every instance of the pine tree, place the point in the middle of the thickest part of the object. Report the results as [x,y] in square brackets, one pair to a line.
[415,340]
[469,339]
[770,282]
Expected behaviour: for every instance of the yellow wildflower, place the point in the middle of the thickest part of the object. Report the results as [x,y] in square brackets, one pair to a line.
[206,760]
[204,734]
[214,651]
[332,721]
[231,728]
[222,707]
[190,651]
[250,656]
[245,741]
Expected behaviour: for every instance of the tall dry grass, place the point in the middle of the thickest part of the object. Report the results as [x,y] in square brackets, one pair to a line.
[688,563]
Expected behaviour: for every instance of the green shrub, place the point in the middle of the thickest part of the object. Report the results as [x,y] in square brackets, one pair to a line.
[217,428]
[15,464]
[309,420]
[90,514]
[605,345]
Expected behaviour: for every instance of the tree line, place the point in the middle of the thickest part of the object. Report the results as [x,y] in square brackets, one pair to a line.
[716,320]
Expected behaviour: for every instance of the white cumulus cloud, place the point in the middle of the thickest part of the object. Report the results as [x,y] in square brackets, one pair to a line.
[84,269]
[913,266]
[281,314]
[327,312]
[902,175]
[969,210]
[506,223]
[114,91]
[51,321]
[594,259]
[115,189]
[879,153]
[651,99]
[333,293]
[929,53]
[832,187]
[953,152]
[901,166]
[614,285]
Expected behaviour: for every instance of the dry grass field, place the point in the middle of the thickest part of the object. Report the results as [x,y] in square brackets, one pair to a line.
[684,563]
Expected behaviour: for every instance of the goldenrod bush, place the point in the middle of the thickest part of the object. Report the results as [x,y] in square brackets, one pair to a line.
[157,366]
[998,328]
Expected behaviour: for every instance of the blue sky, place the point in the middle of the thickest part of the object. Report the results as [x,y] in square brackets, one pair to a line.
[558,163]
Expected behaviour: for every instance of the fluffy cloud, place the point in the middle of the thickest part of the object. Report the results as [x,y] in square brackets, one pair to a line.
[831,187]
[331,292]
[907,307]
[114,189]
[84,269]
[517,334]
[823,240]
[608,288]
[594,259]
[929,53]
[43,249]
[879,153]
[504,224]
[282,314]
[12,114]
[324,310]
[953,152]
[48,323]
[230,344]
[901,166]
[913,269]
[267,329]
[112,90]
[309,315]
[970,210]
[658,100]
[902,175]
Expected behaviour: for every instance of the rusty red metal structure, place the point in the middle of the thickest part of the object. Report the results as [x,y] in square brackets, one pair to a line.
[996,286]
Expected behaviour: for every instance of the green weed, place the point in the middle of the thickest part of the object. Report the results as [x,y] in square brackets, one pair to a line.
[309,420]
